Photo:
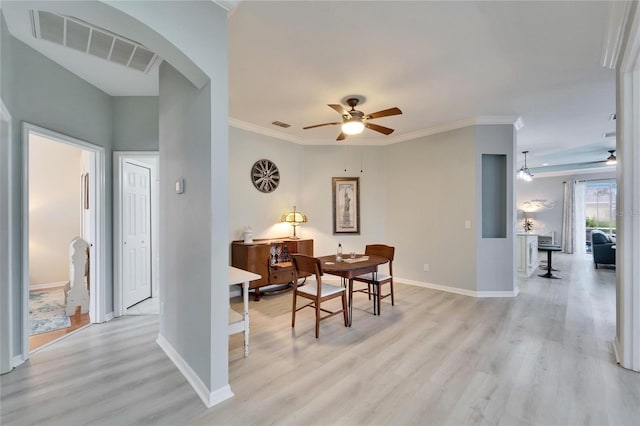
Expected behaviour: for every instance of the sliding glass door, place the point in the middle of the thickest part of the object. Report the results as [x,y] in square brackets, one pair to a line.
[600,207]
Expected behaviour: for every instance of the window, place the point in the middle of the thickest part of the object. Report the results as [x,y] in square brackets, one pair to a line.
[600,206]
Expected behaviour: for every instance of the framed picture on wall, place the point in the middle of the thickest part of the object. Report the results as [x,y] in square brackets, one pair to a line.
[346,205]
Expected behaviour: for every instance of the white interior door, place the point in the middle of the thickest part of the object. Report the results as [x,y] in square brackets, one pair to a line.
[136,229]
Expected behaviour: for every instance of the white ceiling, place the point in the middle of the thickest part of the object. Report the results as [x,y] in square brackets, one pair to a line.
[443,63]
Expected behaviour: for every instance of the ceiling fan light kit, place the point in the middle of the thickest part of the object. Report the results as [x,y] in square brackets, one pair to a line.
[354,121]
[352,126]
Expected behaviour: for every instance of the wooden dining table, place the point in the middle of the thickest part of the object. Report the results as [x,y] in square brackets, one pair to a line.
[349,268]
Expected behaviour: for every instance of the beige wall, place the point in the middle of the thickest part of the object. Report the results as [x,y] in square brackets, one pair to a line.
[415,195]
[54,208]
[250,207]
[321,164]
[306,173]
[430,187]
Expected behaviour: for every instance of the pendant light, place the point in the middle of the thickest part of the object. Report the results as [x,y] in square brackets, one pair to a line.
[524,173]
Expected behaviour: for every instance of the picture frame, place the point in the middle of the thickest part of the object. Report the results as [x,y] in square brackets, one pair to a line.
[346,205]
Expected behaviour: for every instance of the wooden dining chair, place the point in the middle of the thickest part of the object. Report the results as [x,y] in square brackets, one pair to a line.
[376,280]
[315,290]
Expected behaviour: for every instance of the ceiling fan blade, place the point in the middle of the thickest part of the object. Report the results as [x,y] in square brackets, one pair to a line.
[341,136]
[339,109]
[378,128]
[323,124]
[384,113]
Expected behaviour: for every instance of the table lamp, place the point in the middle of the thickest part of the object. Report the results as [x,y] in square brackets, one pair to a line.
[294,218]
[528,222]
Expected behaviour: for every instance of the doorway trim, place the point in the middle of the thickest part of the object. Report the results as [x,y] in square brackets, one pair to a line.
[98,217]
[119,158]
[6,308]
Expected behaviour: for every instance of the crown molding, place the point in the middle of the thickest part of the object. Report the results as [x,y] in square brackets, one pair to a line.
[618,17]
[630,60]
[447,127]
[518,124]
[566,170]
[228,5]
[474,121]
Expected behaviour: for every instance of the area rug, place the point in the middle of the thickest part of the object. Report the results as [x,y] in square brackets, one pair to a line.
[47,311]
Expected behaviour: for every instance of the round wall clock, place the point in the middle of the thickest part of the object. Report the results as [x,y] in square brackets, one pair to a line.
[265,175]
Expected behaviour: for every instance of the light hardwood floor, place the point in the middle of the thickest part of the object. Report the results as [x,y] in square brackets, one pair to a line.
[543,358]
[77,321]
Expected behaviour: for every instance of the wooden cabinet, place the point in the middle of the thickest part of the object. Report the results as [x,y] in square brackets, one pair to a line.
[270,258]
[527,254]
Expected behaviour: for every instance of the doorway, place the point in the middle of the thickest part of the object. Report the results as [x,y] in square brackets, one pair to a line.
[64,199]
[136,249]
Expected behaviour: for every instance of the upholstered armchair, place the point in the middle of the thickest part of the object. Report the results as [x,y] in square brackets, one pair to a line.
[601,246]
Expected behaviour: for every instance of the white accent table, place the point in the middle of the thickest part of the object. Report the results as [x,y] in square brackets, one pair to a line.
[527,254]
[239,323]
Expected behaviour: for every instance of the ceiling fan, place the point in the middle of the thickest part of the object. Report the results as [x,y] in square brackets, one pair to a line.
[353,121]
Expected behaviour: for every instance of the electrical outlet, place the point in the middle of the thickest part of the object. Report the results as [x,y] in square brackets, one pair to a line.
[467,224]
[426,267]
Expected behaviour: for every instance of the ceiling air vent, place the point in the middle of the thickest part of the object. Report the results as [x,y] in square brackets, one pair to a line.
[84,37]
[281,124]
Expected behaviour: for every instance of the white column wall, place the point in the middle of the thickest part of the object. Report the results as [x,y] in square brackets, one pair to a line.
[495,257]
[627,340]
[192,36]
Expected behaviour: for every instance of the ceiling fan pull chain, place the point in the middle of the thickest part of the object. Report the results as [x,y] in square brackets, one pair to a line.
[344,155]
[361,152]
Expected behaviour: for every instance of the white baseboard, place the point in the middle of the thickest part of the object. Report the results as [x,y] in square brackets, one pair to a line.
[210,398]
[34,287]
[462,291]
[17,360]
[108,317]
[615,344]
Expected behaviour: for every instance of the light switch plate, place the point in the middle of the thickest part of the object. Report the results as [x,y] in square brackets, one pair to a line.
[180,186]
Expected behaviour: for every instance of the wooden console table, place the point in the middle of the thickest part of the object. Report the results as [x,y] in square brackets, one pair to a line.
[269,258]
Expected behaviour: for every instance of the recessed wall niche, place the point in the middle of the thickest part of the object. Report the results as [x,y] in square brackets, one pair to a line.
[494,196]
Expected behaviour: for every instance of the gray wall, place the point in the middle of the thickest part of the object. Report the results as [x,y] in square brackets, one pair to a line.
[135,123]
[6,233]
[6,71]
[495,268]
[38,91]
[185,223]
[430,192]
[49,96]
